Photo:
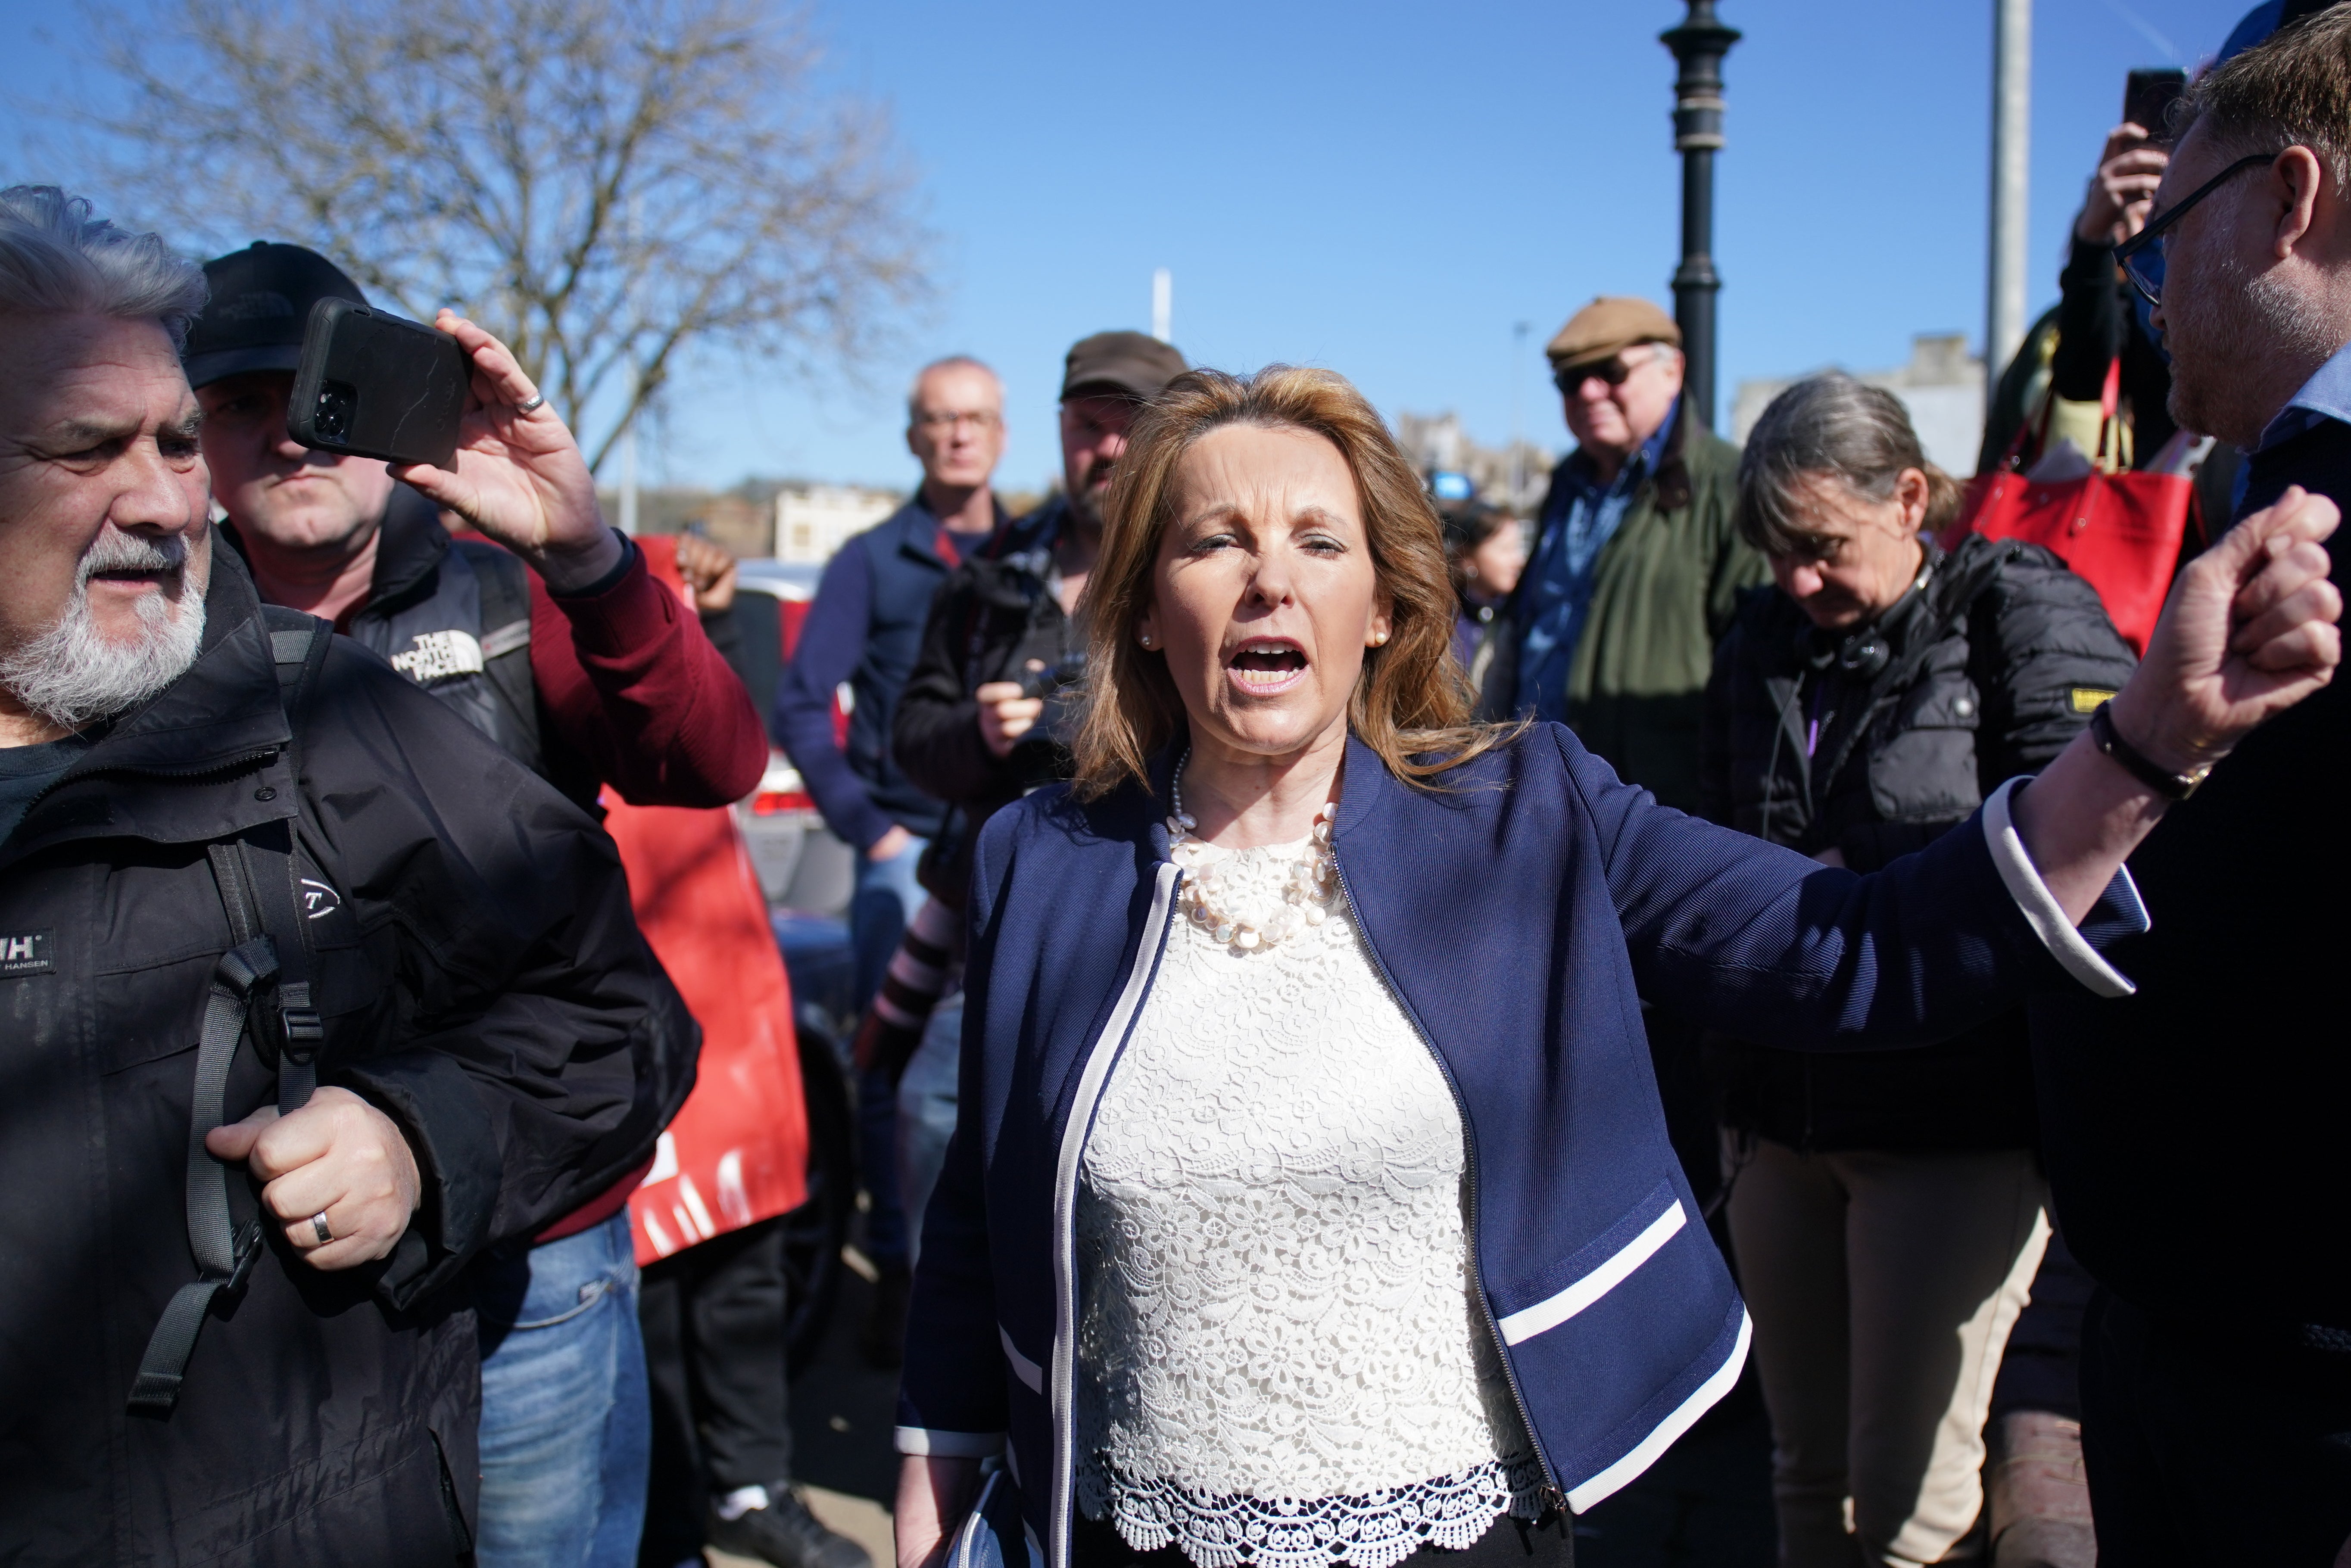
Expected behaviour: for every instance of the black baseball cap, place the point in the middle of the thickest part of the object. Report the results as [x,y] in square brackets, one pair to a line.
[1120,365]
[261,299]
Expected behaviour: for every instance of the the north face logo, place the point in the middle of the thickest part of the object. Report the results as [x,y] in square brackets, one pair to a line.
[318,900]
[437,655]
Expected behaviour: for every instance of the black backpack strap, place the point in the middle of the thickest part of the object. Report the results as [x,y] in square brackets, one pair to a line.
[224,1221]
[291,1030]
[261,985]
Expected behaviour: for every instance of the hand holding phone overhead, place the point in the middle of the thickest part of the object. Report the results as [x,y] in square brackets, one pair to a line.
[450,409]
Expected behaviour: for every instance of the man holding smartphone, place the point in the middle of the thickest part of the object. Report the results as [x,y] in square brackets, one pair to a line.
[555,642]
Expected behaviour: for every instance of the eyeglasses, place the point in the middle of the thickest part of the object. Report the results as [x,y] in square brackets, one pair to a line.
[2141,257]
[937,423]
[1612,371]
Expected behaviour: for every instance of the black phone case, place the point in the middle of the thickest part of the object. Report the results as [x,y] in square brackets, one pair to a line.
[376,385]
[2147,97]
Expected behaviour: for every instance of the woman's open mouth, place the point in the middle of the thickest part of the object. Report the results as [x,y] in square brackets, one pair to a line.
[1265,666]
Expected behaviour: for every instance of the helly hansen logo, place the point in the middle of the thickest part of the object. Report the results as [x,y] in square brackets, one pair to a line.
[32,952]
[437,655]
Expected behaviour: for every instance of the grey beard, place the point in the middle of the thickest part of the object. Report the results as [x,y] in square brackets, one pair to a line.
[73,674]
[2245,317]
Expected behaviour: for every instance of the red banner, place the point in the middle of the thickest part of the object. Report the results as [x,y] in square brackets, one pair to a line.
[738,1152]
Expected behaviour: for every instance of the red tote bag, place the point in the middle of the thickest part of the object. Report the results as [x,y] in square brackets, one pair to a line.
[2122,532]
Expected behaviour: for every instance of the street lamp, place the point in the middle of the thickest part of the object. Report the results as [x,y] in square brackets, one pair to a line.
[1699,45]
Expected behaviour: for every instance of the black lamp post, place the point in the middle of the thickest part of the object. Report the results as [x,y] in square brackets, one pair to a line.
[1699,45]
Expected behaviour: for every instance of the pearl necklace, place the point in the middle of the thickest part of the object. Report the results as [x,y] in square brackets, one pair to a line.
[1305,896]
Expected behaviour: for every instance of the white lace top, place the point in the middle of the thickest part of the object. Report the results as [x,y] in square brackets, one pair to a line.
[1279,1361]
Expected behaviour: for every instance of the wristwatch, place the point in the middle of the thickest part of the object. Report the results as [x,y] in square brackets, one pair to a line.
[2134,762]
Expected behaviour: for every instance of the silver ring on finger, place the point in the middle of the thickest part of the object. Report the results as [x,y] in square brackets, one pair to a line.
[319,1228]
[537,401]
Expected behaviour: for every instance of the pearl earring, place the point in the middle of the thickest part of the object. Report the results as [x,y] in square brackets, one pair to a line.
[1379,640]
[1146,639]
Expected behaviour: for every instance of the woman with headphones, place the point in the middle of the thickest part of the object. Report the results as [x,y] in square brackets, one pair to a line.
[1887,1208]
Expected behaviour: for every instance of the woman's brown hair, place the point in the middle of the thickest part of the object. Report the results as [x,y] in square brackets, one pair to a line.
[1412,704]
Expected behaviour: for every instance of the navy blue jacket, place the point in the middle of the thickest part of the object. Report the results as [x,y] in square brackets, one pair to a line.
[864,626]
[1518,917]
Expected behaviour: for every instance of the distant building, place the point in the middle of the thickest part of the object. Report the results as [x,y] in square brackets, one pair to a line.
[1943,388]
[812,521]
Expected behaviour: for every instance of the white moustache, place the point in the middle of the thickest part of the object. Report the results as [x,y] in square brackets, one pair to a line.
[115,551]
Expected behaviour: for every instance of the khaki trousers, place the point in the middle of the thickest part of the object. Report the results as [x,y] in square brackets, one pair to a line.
[1883,1288]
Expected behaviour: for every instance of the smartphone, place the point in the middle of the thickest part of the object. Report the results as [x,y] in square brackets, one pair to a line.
[2147,97]
[371,384]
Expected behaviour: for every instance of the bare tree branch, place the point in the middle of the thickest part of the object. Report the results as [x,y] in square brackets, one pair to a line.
[610,185]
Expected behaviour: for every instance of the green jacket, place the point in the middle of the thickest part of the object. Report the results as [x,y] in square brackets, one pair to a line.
[1665,591]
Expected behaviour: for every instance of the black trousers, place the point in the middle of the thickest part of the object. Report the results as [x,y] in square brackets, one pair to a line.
[1546,1542]
[2203,1451]
[714,1322]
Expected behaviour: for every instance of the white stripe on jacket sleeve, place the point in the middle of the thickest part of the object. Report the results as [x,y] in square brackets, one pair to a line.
[1552,1311]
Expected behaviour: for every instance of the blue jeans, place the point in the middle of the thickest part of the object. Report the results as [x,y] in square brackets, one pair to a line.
[885,898]
[926,1115]
[566,1427]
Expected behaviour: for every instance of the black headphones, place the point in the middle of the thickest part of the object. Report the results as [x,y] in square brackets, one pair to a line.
[1862,654]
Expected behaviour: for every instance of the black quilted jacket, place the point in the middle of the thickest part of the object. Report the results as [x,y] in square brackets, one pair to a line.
[1873,744]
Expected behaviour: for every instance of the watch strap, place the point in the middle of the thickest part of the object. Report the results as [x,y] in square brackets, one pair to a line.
[2134,762]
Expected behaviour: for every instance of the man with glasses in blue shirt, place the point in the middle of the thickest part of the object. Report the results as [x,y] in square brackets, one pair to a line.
[2194,1133]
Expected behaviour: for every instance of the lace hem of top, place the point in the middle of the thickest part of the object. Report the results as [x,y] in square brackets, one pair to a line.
[1369,1529]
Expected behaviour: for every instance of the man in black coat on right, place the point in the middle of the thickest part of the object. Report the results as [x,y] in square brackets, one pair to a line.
[2196,1133]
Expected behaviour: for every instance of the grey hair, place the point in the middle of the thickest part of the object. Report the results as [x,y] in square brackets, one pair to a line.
[57,257]
[952,362]
[1830,426]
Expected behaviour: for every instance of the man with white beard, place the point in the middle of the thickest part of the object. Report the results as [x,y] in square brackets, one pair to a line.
[296,1024]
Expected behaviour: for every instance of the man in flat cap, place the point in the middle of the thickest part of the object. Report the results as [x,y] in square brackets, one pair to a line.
[1635,565]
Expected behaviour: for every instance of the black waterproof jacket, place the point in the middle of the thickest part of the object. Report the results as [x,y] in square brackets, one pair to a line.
[995,616]
[482,982]
[1873,744]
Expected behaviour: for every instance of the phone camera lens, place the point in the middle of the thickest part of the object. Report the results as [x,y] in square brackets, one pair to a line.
[333,419]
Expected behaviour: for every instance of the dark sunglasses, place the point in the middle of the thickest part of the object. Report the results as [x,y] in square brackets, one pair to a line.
[1612,371]
[2141,255]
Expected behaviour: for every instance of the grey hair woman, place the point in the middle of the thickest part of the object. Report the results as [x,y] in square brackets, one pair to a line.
[1861,710]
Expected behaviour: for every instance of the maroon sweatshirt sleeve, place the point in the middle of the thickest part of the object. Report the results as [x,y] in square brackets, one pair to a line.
[632,685]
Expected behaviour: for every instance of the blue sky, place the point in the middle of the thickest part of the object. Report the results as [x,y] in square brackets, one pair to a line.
[1386,189]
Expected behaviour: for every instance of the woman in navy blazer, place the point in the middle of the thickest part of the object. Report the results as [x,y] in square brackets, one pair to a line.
[1269,623]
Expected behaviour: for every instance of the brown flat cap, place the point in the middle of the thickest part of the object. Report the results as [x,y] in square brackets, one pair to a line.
[1120,364]
[1607,325]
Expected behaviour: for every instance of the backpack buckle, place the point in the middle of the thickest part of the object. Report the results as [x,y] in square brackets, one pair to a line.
[249,1252]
